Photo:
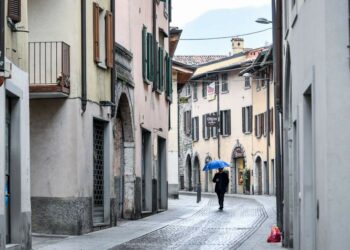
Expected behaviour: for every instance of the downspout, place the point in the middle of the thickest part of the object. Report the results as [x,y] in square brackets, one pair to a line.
[277,67]
[113,70]
[155,50]
[83,56]
[2,40]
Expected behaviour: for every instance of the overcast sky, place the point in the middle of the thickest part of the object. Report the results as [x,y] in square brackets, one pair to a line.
[217,18]
[185,11]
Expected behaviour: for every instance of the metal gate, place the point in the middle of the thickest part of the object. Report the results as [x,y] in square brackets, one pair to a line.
[98,199]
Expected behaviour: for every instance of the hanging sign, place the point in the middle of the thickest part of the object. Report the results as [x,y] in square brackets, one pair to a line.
[211,91]
[211,120]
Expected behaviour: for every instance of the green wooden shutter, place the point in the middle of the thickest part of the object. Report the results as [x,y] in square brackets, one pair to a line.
[243,120]
[144,52]
[229,122]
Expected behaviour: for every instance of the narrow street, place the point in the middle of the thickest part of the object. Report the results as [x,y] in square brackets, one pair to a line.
[209,228]
[243,224]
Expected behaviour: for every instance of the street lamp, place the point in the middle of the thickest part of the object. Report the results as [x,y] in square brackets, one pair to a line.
[263,20]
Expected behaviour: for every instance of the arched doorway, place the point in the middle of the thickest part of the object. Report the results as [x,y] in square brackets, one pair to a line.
[188,174]
[196,173]
[240,177]
[124,171]
[258,177]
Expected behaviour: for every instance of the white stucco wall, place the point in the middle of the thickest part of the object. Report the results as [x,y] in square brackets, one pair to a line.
[320,58]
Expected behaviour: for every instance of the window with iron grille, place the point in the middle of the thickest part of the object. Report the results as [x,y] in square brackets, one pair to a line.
[224,83]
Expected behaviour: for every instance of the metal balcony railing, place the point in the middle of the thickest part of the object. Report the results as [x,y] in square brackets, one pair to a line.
[49,66]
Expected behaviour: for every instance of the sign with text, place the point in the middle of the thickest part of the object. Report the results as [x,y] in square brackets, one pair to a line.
[211,120]
[211,91]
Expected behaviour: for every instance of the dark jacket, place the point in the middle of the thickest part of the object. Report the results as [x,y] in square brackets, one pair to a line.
[221,180]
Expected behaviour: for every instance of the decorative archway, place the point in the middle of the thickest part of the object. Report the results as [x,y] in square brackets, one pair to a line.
[188,173]
[258,175]
[196,172]
[238,165]
[124,147]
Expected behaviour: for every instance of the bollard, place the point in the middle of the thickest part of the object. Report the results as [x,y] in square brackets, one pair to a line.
[199,192]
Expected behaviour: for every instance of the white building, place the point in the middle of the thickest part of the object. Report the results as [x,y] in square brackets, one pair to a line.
[316,111]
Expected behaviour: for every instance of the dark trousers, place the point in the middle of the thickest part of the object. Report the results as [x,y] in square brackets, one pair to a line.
[221,198]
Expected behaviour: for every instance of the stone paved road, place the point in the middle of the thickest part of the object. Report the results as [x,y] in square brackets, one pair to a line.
[209,228]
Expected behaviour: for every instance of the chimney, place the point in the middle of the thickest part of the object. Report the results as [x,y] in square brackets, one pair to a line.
[237,45]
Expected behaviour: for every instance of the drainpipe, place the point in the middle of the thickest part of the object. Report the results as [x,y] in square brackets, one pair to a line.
[83,56]
[277,68]
[113,70]
[155,49]
[2,40]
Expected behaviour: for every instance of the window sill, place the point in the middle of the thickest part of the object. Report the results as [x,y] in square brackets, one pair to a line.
[247,133]
[226,135]
[225,92]
[102,65]
[247,87]
[159,92]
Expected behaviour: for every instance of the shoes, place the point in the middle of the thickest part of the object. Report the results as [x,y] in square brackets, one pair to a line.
[221,208]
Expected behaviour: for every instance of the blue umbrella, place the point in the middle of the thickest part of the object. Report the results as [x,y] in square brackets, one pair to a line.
[215,165]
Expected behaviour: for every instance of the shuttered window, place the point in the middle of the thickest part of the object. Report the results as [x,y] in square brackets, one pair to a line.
[168,76]
[14,10]
[109,39]
[187,122]
[204,89]
[259,125]
[144,53]
[266,122]
[160,70]
[195,92]
[247,119]
[195,129]
[225,122]
[271,120]
[224,86]
[205,128]
[96,31]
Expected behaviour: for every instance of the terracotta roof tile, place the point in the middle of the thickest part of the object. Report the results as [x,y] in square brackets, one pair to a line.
[198,60]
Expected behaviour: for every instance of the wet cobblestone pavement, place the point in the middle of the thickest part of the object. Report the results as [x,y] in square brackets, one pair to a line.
[209,228]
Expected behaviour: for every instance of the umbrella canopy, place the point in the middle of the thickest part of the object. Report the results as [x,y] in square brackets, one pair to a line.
[215,165]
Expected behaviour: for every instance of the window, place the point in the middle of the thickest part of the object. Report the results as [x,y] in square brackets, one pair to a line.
[195,128]
[205,128]
[265,123]
[103,36]
[214,130]
[195,94]
[168,77]
[224,86]
[187,122]
[14,10]
[258,83]
[160,70]
[225,122]
[271,121]
[217,87]
[247,82]
[188,90]
[147,56]
[204,89]
[247,119]
[259,125]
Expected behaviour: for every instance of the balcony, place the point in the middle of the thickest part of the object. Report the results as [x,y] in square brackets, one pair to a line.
[49,70]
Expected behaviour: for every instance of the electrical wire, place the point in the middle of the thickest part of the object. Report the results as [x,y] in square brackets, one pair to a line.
[223,37]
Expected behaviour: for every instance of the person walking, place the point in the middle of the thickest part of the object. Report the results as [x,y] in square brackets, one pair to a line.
[221,183]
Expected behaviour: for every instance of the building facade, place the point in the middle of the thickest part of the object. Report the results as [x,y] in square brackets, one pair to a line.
[70,82]
[143,98]
[237,88]
[316,113]
[15,207]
